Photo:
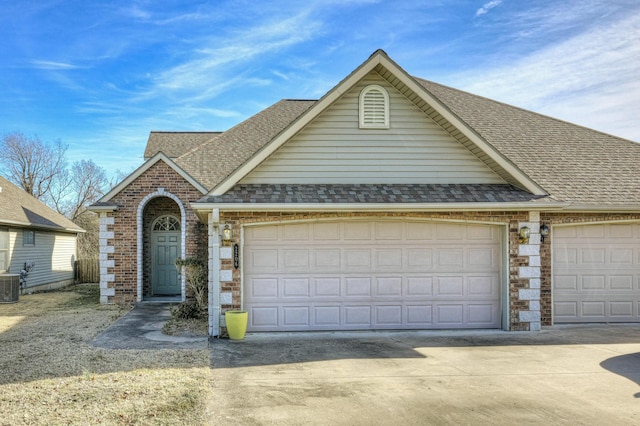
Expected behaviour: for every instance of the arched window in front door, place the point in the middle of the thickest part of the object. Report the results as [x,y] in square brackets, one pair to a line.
[166,223]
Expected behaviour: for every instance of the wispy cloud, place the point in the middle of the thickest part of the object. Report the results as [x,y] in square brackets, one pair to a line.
[52,65]
[598,67]
[487,7]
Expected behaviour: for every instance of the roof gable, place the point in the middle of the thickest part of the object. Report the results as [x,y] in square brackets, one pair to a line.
[143,168]
[335,149]
[391,72]
[19,208]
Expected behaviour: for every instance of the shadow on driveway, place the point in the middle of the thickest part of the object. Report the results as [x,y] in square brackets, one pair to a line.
[259,349]
[627,366]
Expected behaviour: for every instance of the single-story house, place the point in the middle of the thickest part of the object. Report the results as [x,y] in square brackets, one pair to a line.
[35,239]
[392,202]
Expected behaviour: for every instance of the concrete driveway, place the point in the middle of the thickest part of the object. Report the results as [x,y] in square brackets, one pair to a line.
[585,375]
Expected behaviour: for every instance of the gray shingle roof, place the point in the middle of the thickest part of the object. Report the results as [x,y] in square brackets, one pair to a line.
[174,144]
[219,157]
[21,209]
[372,193]
[571,162]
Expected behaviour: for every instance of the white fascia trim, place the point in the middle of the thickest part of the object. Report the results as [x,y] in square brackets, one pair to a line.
[331,96]
[602,208]
[378,207]
[160,156]
[496,156]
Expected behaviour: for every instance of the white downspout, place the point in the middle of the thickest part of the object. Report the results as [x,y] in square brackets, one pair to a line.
[214,272]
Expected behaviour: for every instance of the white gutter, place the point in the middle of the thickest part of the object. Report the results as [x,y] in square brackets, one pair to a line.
[528,206]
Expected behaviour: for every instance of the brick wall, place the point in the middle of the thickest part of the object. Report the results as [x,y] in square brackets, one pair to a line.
[163,181]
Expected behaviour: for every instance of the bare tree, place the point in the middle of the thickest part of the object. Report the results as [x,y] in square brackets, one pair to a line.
[84,185]
[32,164]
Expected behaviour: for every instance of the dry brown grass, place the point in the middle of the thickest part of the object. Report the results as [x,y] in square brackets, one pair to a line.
[50,374]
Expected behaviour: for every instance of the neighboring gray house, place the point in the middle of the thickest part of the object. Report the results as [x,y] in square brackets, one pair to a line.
[32,233]
[392,202]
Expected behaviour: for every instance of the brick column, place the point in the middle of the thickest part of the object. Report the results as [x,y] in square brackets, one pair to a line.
[107,279]
[531,272]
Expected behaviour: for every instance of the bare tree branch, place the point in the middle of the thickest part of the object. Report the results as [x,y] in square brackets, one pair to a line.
[32,164]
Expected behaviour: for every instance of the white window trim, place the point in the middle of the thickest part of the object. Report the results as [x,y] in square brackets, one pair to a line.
[366,125]
[4,252]
[26,232]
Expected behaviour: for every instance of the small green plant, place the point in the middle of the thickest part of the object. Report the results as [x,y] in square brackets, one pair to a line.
[196,278]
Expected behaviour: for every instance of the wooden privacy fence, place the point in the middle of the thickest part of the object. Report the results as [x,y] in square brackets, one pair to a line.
[88,271]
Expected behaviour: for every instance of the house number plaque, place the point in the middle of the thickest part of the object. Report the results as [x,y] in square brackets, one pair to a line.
[236,256]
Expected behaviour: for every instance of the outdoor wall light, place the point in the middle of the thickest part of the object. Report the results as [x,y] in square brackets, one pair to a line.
[523,235]
[544,231]
[226,233]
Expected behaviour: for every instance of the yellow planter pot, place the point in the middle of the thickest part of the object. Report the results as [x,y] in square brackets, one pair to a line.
[236,324]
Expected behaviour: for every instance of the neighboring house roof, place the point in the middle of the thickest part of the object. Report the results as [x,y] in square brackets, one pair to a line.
[542,160]
[174,144]
[18,208]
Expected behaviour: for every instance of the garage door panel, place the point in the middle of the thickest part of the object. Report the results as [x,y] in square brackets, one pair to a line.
[388,259]
[602,280]
[262,288]
[296,287]
[449,286]
[481,314]
[295,259]
[450,258]
[621,283]
[296,316]
[388,315]
[264,260]
[450,315]
[358,259]
[369,275]
[419,316]
[622,309]
[358,316]
[358,287]
[389,287]
[327,259]
[327,287]
[263,317]
[327,316]
[419,258]
[419,286]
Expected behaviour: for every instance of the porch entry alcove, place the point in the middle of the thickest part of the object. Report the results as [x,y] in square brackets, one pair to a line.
[162,247]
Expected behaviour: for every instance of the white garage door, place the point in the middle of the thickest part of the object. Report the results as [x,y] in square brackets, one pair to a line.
[596,270]
[355,275]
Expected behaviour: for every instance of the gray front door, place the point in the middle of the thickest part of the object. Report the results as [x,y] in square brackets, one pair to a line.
[165,248]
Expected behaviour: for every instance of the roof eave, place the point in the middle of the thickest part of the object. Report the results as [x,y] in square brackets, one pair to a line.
[20,224]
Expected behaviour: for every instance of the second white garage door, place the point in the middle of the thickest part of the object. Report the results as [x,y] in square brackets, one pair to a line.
[596,273]
[355,275]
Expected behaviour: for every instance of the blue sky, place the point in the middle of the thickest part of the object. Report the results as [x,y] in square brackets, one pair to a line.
[99,75]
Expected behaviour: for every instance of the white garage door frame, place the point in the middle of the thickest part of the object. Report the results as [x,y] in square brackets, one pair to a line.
[589,308]
[502,227]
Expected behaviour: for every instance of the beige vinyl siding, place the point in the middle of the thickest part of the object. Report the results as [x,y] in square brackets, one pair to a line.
[53,255]
[333,149]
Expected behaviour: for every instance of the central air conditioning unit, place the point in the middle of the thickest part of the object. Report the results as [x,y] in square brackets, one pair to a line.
[9,288]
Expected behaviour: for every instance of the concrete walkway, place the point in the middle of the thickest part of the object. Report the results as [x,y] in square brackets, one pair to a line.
[586,375]
[141,328]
